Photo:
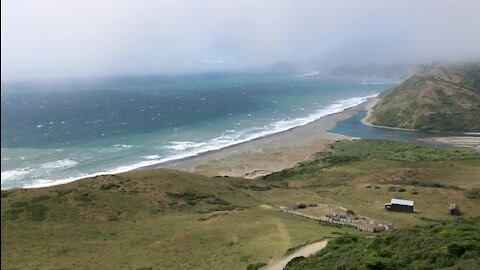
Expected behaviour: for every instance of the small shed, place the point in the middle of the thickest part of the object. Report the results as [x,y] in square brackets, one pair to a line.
[398,205]
[454,210]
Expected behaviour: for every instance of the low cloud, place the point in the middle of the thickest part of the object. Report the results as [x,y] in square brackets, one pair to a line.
[54,38]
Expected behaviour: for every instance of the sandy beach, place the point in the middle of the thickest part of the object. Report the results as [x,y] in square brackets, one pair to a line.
[278,151]
[268,154]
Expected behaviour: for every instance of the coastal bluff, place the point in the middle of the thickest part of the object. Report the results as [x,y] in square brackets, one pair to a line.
[440,98]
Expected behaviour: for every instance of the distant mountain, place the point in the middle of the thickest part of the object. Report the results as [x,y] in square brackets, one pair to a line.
[377,72]
[443,98]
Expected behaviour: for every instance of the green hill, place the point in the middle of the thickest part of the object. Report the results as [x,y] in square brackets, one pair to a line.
[443,98]
[165,219]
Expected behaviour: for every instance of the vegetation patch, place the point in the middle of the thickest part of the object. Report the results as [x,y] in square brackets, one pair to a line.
[401,151]
[473,194]
[190,198]
[61,193]
[109,186]
[436,246]
[12,214]
[396,189]
[348,152]
[5,193]
[422,184]
[19,204]
[259,188]
[37,212]
[40,198]
[255,266]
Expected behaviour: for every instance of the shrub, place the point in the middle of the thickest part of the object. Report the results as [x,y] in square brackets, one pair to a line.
[218,201]
[109,186]
[37,212]
[61,193]
[418,247]
[19,204]
[473,194]
[346,239]
[255,266]
[40,198]
[456,249]
[259,188]
[12,214]
[190,198]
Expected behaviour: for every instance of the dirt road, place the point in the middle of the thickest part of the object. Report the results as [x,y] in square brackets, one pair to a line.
[305,252]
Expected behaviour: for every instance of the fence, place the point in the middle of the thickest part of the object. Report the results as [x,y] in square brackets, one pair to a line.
[344,221]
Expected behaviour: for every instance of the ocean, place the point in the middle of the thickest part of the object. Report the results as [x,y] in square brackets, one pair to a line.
[54,132]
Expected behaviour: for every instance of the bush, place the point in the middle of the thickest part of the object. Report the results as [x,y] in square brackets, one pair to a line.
[294,261]
[12,214]
[37,212]
[19,204]
[109,186]
[259,188]
[456,249]
[61,193]
[40,198]
[255,266]
[190,198]
[452,244]
[218,201]
[346,239]
[473,194]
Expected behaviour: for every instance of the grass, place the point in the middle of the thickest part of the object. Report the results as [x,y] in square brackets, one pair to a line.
[420,184]
[473,194]
[349,152]
[200,225]
[165,219]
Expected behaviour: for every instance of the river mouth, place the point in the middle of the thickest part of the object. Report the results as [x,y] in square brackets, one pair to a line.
[354,127]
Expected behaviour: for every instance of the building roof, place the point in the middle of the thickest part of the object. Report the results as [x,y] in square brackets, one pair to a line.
[402,202]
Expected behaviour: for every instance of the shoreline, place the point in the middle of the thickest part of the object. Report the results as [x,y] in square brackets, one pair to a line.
[278,151]
[282,150]
[311,138]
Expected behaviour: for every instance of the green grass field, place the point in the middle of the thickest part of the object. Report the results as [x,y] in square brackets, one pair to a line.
[164,219]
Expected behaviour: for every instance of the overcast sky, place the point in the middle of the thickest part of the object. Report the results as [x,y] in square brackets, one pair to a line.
[61,38]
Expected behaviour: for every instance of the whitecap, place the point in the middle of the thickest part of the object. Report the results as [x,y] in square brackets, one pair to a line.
[123,145]
[182,146]
[14,174]
[225,140]
[152,157]
[59,164]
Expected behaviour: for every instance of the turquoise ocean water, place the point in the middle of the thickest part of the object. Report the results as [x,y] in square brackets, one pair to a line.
[55,132]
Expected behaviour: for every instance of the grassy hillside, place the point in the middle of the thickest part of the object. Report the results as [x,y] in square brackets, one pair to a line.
[440,98]
[164,219]
[440,245]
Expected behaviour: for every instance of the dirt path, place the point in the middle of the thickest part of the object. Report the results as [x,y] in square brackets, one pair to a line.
[305,252]
[283,233]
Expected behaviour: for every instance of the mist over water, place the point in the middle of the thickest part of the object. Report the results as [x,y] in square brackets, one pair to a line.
[60,132]
[56,38]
